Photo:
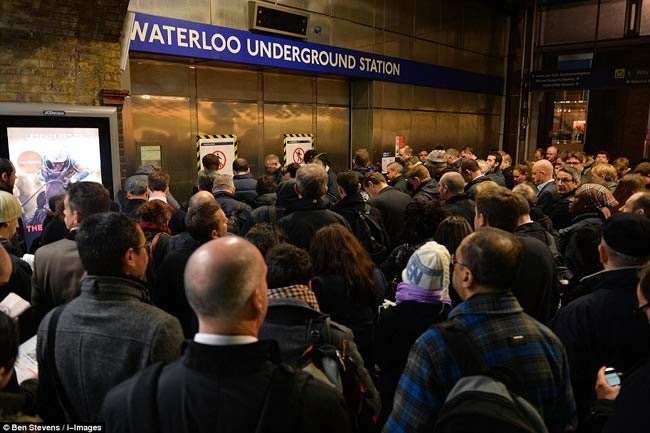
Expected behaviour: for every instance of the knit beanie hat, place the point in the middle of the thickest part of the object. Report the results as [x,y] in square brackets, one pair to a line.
[428,267]
[628,234]
[10,208]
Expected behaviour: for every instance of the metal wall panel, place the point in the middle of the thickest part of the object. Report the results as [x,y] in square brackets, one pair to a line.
[395,95]
[468,102]
[474,62]
[229,13]
[468,132]
[218,83]
[346,34]
[332,91]
[425,51]
[425,98]
[611,23]
[164,122]
[395,45]
[399,16]
[448,100]
[359,11]
[447,129]
[158,78]
[427,20]
[319,6]
[281,119]
[333,135]
[232,118]
[573,23]
[361,128]
[287,88]
[393,123]
[362,94]
[451,14]
[424,134]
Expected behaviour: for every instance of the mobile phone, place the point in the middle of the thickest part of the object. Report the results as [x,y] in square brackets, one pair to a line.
[611,377]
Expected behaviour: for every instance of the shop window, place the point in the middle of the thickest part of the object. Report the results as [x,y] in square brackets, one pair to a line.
[570,119]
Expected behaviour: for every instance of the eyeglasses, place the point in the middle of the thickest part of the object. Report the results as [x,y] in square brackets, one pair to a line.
[455,262]
[137,247]
[572,162]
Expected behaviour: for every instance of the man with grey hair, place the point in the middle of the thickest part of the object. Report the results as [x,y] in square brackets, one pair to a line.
[136,194]
[309,212]
[455,199]
[239,213]
[227,379]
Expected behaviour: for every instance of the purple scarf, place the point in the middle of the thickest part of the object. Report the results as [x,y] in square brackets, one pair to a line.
[409,292]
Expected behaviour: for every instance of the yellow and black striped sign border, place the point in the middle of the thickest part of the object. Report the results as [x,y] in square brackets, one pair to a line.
[284,146]
[200,137]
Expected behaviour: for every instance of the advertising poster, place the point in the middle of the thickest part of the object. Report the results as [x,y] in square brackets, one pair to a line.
[295,146]
[47,160]
[224,146]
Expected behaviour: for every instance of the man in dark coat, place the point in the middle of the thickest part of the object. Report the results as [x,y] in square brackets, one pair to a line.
[547,193]
[390,202]
[455,200]
[205,221]
[227,380]
[245,183]
[239,214]
[309,212]
[536,282]
[601,328]
[352,202]
[425,188]
[472,174]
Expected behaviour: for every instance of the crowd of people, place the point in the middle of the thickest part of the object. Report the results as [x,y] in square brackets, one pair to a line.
[152,315]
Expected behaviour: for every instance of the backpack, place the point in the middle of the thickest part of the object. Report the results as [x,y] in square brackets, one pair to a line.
[234,226]
[334,367]
[483,400]
[372,234]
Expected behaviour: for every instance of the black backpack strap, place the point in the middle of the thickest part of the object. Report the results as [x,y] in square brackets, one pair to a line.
[318,331]
[143,400]
[61,395]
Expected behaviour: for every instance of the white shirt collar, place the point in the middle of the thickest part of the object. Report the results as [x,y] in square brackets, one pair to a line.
[223,340]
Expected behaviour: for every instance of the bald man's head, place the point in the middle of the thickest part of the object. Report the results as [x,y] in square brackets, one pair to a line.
[200,198]
[542,171]
[222,276]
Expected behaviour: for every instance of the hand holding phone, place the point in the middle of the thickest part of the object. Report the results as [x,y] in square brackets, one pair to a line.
[612,377]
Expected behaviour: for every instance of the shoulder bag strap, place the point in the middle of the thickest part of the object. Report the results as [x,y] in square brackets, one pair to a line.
[279,404]
[50,354]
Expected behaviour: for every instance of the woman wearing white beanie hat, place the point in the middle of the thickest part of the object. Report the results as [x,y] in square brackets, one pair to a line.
[422,300]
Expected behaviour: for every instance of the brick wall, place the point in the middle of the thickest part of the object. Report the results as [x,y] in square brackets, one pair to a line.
[60,52]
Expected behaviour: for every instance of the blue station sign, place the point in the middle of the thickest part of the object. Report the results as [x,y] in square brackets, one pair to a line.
[161,35]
